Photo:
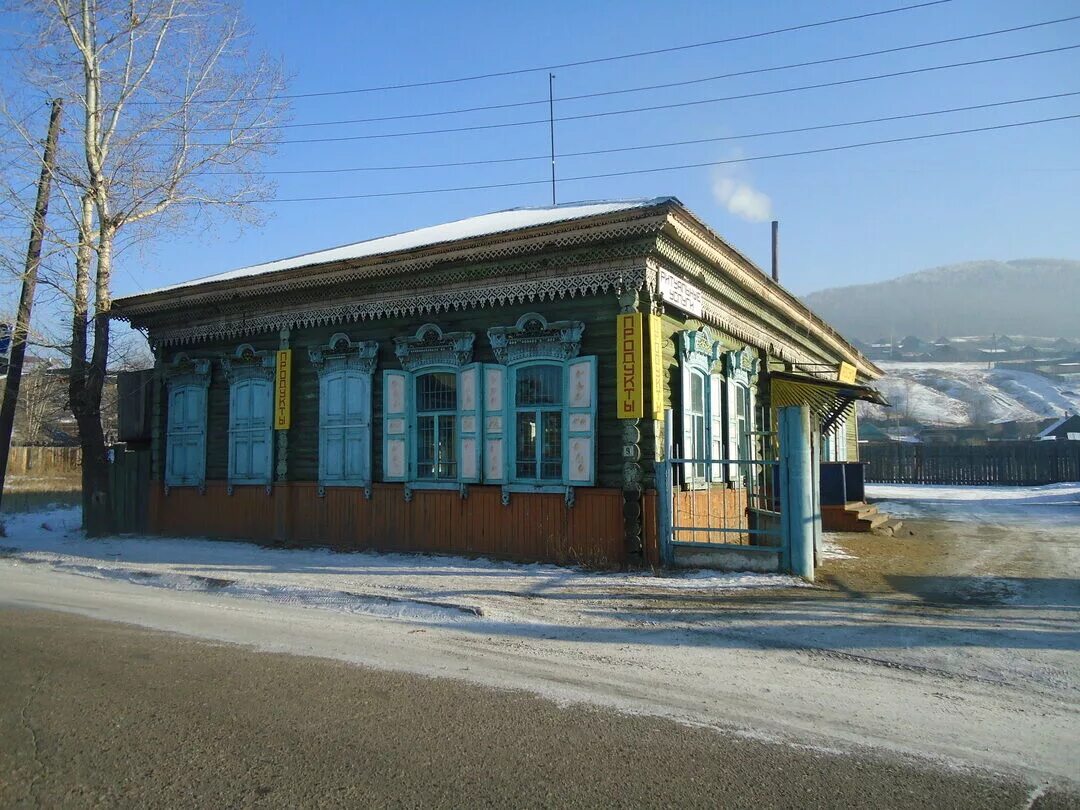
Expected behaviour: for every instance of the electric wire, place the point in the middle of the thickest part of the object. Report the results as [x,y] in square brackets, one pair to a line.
[679,167]
[576,63]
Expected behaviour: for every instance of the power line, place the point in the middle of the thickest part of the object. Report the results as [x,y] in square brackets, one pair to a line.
[644,88]
[579,62]
[642,147]
[705,164]
[673,105]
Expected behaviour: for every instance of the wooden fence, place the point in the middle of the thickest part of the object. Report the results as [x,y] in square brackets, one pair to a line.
[44,461]
[1004,463]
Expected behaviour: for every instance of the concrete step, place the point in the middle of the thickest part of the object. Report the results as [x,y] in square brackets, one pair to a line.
[888,528]
[876,520]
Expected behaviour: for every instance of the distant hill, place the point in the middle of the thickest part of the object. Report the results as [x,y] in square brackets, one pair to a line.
[1037,297]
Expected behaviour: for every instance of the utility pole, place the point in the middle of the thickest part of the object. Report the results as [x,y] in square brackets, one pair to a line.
[551,124]
[29,285]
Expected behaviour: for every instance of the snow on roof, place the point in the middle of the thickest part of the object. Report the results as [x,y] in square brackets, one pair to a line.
[1045,433]
[483,225]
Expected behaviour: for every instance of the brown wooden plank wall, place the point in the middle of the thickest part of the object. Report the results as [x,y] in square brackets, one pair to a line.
[532,527]
[715,507]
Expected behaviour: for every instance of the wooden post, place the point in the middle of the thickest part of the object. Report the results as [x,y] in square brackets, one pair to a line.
[29,285]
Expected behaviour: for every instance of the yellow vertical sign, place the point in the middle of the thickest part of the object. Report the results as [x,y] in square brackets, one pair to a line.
[283,390]
[631,374]
[847,373]
[656,366]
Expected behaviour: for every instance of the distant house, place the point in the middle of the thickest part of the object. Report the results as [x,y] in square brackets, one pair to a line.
[1067,428]
[948,352]
[956,435]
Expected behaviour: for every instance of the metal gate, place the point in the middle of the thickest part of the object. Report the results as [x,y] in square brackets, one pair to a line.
[727,511]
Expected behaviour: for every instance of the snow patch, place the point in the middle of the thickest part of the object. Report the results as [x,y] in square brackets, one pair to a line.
[484,225]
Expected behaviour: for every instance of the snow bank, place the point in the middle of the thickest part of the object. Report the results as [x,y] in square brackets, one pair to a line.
[1050,505]
[398,585]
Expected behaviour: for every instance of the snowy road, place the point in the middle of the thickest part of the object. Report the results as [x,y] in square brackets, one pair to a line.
[975,665]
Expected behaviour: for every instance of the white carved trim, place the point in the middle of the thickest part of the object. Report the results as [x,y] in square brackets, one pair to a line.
[419,302]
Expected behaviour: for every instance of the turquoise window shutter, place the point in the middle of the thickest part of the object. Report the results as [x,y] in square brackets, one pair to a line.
[185,443]
[250,431]
[357,429]
[470,414]
[732,414]
[395,425]
[686,422]
[581,398]
[716,425]
[345,427]
[494,424]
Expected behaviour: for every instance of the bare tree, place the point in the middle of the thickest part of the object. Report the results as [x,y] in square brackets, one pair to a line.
[173,114]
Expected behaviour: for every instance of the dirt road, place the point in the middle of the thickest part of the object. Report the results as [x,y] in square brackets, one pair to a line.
[103,714]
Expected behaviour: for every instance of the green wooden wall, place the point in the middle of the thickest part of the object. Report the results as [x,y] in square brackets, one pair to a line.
[597,312]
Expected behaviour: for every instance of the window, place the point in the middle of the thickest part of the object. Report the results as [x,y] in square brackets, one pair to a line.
[345,369]
[344,427]
[436,434]
[699,444]
[538,407]
[431,411]
[185,436]
[550,405]
[717,410]
[251,399]
[250,431]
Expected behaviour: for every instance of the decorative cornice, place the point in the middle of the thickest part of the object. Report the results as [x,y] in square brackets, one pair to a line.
[697,237]
[621,225]
[430,346]
[411,303]
[534,338]
[741,366]
[699,346]
[247,363]
[340,351]
[183,370]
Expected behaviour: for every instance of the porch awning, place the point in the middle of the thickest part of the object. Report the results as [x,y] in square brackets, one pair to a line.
[829,400]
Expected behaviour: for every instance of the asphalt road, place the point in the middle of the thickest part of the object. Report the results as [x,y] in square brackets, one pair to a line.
[101,714]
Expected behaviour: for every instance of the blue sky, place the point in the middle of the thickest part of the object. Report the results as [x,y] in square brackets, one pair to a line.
[846,217]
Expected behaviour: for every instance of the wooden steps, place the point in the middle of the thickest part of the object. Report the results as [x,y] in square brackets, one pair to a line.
[858,516]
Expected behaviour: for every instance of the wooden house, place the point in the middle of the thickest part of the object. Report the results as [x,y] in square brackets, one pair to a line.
[489,386]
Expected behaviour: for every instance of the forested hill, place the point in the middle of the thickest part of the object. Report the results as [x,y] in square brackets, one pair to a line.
[1035,297]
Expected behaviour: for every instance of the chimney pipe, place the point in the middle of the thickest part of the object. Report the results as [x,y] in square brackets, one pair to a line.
[776,251]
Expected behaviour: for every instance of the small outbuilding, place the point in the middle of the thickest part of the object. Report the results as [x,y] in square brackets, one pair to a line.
[496,385]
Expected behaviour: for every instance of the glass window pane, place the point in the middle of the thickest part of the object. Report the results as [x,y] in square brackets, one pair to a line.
[539,385]
[698,427]
[525,452]
[697,393]
[447,447]
[551,447]
[425,447]
[436,391]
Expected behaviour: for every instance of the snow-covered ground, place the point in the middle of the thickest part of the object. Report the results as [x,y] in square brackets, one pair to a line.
[398,585]
[992,682]
[1055,506]
[959,394]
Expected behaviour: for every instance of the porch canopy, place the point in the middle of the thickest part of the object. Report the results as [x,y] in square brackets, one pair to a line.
[829,400]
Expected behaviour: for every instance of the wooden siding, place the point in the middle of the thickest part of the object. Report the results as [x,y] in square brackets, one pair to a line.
[715,507]
[597,312]
[532,527]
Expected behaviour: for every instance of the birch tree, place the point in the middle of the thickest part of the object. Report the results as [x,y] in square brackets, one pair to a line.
[169,117]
